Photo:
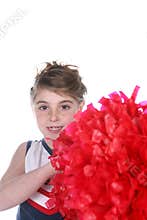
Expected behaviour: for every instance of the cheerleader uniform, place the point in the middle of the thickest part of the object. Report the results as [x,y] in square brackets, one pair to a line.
[37,153]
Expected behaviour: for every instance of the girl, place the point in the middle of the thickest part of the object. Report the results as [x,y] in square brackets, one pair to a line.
[57,94]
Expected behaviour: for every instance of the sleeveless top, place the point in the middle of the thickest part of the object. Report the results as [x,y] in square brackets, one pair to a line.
[37,153]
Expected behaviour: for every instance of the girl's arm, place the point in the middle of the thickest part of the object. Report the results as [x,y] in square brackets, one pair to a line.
[16,186]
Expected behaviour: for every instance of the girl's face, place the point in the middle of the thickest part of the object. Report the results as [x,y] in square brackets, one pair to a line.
[54,112]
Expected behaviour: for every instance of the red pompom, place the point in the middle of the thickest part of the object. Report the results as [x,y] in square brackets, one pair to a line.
[102,157]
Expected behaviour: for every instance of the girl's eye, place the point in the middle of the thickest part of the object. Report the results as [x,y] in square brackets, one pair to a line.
[43,108]
[65,107]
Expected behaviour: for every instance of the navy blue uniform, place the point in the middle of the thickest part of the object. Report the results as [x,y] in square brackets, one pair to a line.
[34,208]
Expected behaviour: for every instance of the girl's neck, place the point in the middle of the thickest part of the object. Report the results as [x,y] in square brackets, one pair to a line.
[49,142]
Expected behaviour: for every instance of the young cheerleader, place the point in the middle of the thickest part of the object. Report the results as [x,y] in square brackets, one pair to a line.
[57,94]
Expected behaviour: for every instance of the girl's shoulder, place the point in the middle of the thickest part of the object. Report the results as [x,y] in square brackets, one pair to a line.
[17,163]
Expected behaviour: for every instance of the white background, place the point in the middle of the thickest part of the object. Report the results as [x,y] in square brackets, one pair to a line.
[106,39]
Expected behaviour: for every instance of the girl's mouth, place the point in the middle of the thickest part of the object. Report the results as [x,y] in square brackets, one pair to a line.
[54,129]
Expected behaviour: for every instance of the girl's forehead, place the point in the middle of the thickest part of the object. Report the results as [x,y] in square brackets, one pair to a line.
[51,96]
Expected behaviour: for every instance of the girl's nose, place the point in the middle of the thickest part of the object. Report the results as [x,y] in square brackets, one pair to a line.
[53,115]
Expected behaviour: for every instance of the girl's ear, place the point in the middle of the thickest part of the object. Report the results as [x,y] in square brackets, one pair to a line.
[81,105]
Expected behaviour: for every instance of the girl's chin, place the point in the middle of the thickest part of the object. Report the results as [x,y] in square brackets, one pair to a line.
[51,138]
[53,135]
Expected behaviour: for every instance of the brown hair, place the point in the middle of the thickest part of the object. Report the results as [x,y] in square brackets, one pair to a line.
[60,78]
